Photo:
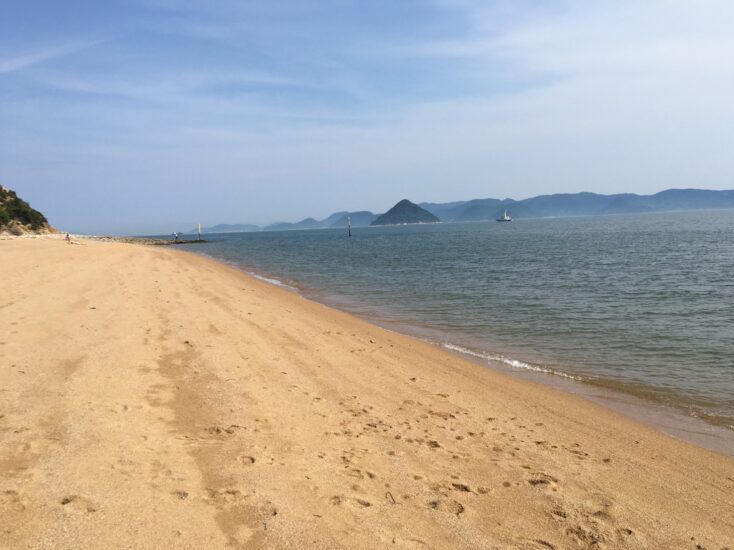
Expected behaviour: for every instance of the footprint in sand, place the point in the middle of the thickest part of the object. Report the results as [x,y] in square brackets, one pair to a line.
[448,506]
[78,504]
[542,480]
[226,496]
[586,537]
[544,544]
[11,501]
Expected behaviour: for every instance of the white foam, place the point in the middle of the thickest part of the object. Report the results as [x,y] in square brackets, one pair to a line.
[271,281]
[514,363]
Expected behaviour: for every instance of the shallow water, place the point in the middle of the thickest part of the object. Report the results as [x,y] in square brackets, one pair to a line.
[643,304]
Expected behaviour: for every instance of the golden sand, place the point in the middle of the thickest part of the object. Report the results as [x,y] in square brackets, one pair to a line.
[151,398]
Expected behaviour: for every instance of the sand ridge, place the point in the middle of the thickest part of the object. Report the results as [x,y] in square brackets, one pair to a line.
[153,398]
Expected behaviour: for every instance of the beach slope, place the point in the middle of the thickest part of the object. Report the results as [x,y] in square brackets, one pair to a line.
[151,398]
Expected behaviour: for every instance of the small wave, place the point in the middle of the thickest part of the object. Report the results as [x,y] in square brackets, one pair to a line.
[272,281]
[514,363]
[239,266]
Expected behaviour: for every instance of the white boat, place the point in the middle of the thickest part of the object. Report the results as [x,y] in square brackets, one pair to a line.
[504,218]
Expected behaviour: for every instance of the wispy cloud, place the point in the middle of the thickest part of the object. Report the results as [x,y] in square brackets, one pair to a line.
[29,59]
[163,87]
[346,104]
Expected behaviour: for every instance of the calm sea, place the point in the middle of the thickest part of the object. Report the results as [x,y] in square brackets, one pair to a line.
[642,304]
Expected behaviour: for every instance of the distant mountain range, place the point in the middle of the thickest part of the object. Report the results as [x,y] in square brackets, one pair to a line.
[542,206]
[362,218]
[359,219]
[581,204]
[337,219]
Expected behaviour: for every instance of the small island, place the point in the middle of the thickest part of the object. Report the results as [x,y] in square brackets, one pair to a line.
[405,212]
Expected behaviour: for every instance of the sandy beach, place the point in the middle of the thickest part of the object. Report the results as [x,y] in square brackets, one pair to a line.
[151,398]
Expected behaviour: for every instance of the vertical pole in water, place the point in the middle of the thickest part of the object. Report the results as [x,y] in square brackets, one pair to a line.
[349,225]
[198,229]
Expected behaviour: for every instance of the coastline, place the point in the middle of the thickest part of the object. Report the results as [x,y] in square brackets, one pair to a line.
[671,420]
[155,397]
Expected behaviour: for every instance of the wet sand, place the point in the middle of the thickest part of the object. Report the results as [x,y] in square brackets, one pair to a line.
[154,398]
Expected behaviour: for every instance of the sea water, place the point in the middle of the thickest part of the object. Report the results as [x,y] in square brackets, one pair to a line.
[641,304]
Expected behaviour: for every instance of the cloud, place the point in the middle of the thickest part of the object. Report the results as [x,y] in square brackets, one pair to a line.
[26,60]
[462,99]
[164,86]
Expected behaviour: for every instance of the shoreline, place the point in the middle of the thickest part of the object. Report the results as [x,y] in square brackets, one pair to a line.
[667,418]
[159,398]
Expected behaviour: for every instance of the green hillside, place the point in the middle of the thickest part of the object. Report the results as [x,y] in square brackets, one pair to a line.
[15,209]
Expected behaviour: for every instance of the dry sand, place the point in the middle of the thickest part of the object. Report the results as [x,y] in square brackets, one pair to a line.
[151,398]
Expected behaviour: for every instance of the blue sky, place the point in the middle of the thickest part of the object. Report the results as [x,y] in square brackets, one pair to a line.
[152,115]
